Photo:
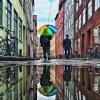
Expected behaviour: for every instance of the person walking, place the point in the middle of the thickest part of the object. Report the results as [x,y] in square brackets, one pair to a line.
[67,46]
[45,43]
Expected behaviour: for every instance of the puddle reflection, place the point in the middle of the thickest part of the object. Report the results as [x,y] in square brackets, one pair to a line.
[49,82]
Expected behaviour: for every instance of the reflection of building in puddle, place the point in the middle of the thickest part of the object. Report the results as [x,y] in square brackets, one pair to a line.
[11,82]
[59,81]
[68,82]
[53,74]
[87,83]
[37,73]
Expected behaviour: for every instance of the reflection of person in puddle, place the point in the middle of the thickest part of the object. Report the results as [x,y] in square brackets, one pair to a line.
[45,77]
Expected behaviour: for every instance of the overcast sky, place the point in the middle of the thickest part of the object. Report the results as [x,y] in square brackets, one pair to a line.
[42,9]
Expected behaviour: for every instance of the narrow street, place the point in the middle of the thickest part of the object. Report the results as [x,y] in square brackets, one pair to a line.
[49,49]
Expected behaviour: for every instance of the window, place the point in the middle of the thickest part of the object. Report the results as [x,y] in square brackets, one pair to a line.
[72,19]
[76,93]
[78,44]
[79,21]
[84,16]
[80,2]
[67,11]
[67,93]
[76,26]
[96,31]
[24,4]
[65,16]
[80,95]
[69,96]
[20,29]
[8,15]
[0,12]
[97,4]
[15,22]
[65,28]
[79,75]
[84,97]
[69,6]
[89,9]
[72,2]
[20,68]
[96,84]
[21,2]
[24,31]
[76,7]
[69,23]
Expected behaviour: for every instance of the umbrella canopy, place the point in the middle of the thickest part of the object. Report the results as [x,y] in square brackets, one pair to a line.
[47,30]
[48,90]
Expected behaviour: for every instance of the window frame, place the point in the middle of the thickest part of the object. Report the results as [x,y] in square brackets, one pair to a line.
[21,2]
[20,29]
[84,16]
[97,4]
[8,14]
[1,12]
[15,22]
[89,8]
[80,21]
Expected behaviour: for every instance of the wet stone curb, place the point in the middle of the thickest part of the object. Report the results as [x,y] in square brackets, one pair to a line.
[15,58]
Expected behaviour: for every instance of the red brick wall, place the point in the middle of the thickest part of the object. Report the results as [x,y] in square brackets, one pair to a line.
[89,25]
[59,34]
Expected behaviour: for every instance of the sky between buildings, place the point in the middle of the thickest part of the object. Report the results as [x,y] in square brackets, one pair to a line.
[42,10]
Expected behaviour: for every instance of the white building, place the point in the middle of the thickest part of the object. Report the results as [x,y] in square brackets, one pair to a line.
[69,19]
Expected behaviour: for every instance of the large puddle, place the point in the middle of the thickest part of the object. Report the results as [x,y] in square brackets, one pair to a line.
[53,80]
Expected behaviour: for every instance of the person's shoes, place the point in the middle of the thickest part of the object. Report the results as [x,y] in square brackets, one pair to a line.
[48,58]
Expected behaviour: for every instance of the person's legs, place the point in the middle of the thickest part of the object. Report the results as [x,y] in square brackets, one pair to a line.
[44,52]
[68,53]
[48,52]
[66,56]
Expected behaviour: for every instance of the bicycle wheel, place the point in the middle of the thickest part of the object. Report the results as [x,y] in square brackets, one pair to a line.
[2,46]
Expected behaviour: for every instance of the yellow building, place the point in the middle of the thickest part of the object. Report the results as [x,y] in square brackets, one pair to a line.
[35,33]
[13,26]
[53,54]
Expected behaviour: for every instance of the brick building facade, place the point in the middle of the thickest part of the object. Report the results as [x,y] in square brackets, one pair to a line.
[59,35]
[87,25]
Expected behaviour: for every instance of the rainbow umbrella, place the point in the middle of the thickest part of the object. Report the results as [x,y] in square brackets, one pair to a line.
[47,30]
[47,90]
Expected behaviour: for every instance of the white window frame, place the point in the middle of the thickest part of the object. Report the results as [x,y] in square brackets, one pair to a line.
[89,9]
[84,16]
[97,4]
[80,2]
[80,21]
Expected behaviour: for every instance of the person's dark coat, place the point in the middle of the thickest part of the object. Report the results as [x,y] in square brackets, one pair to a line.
[67,43]
[45,40]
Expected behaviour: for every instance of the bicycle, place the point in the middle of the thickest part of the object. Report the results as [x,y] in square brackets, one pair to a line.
[7,46]
[2,46]
[7,76]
